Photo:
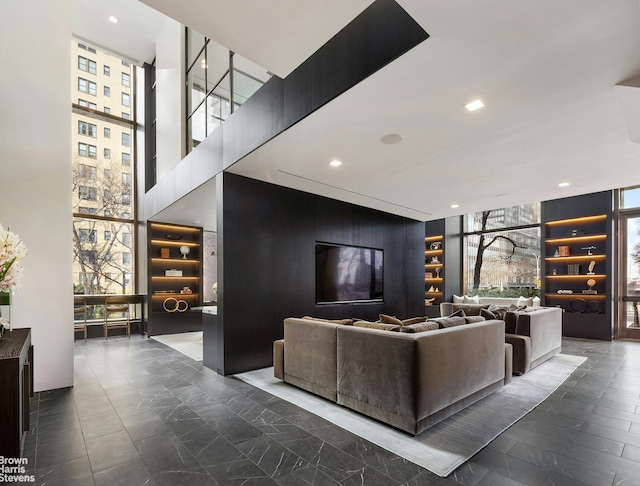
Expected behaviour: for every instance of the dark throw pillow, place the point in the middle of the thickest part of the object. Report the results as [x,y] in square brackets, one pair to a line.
[474,319]
[420,327]
[377,325]
[413,320]
[487,314]
[390,320]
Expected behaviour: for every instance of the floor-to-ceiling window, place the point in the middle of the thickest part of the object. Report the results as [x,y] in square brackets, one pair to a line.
[629,291]
[502,252]
[103,165]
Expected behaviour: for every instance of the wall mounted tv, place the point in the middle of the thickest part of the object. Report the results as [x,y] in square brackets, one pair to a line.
[348,274]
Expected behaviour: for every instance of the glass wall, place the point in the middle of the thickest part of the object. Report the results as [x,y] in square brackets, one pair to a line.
[630,264]
[502,252]
[103,166]
[218,82]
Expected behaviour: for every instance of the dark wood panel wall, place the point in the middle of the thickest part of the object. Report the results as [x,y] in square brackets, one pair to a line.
[268,246]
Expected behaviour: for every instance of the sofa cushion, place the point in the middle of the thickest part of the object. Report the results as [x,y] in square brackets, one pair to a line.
[377,325]
[386,319]
[458,299]
[510,319]
[473,319]
[420,327]
[450,321]
[471,300]
[414,320]
[470,309]
[346,322]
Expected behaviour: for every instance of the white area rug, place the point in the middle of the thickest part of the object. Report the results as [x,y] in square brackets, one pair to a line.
[189,343]
[450,443]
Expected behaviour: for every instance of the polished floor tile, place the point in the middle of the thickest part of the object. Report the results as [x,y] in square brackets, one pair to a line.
[143,413]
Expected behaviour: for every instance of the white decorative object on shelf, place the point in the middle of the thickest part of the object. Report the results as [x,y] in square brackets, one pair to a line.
[184,249]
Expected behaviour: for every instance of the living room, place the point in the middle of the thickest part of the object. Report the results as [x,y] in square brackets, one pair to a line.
[268,249]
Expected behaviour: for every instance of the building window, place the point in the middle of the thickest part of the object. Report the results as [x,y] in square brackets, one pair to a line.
[87,193]
[107,235]
[106,71]
[82,46]
[126,159]
[87,172]
[86,210]
[107,174]
[126,178]
[126,101]
[107,91]
[87,104]
[88,87]
[126,238]
[107,110]
[82,149]
[126,198]
[107,153]
[93,151]
[88,236]
[126,139]
[89,257]
[107,132]
[126,258]
[87,129]
[92,50]
[87,65]
[126,116]
[126,80]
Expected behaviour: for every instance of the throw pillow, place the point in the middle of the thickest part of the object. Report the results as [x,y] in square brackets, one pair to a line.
[377,325]
[413,320]
[471,300]
[345,322]
[510,319]
[444,322]
[458,313]
[524,301]
[498,310]
[457,299]
[420,327]
[473,319]
[390,320]
[487,314]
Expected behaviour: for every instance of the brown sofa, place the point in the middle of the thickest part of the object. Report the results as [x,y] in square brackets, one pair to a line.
[408,380]
[534,332]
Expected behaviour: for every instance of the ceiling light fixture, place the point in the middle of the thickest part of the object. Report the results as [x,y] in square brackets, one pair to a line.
[474,105]
[335,163]
[455,206]
[113,19]
[564,184]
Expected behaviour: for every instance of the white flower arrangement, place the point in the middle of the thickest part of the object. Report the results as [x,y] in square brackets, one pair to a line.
[12,250]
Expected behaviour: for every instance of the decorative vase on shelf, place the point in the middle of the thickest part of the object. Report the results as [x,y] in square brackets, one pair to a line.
[5,315]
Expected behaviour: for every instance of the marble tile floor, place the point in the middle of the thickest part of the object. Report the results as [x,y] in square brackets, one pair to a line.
[142,413]
[189,343]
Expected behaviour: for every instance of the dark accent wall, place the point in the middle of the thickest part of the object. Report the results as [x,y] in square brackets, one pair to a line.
[453,258]
[267,245]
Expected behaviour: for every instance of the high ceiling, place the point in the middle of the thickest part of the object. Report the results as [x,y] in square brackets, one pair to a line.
[559,80]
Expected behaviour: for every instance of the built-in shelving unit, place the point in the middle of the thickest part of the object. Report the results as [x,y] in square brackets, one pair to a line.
[577,276]
[433,270]
[175,274]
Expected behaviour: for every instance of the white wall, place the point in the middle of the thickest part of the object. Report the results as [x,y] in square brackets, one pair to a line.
[170,95]
[35,175]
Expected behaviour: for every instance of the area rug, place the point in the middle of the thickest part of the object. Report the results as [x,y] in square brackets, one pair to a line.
[450,443]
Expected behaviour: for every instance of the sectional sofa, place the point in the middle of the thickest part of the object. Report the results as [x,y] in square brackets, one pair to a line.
[534,332]
[405,379]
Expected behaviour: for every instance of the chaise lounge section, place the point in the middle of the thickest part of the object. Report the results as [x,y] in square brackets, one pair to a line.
[408,380]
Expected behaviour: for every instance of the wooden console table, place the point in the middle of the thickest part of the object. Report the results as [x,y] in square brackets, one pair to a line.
[16,387]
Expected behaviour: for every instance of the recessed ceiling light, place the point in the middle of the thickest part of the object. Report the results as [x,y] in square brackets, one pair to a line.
[391,138]
[113,19]
[335,163]
[474,105]
[455,206]
[564,184]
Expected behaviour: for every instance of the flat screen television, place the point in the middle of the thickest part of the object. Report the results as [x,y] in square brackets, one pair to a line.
[348,274]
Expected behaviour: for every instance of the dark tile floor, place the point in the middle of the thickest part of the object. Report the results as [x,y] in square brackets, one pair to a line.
[142,413]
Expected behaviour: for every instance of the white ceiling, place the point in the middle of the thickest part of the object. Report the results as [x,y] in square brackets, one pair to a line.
[547,71]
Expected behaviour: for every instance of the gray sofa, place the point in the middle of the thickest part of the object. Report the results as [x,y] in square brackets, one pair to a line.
[534,332]
[408,380]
